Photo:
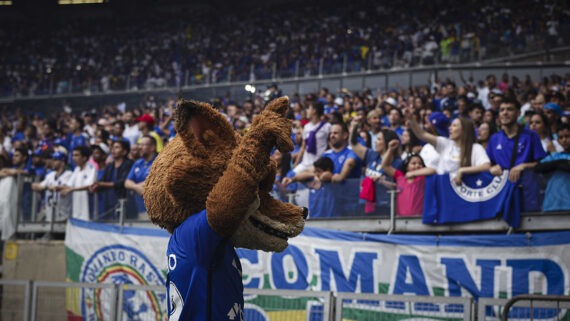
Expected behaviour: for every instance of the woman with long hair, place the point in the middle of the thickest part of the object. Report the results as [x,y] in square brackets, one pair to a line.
[540,125]
[484,132]
[459,154]
[410,144]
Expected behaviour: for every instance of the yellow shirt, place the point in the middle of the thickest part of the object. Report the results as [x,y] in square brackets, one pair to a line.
[159,143]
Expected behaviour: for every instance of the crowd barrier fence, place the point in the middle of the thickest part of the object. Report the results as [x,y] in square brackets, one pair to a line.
[340,202]
[22,300]
[524,307]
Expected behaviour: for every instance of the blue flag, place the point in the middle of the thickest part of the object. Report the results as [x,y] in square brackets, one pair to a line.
[480,197]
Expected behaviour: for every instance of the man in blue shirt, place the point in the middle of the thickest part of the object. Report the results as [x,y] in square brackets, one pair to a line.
[347,170]
[346,162]
[139,172]
[76,137]
[501,145]
[527,153]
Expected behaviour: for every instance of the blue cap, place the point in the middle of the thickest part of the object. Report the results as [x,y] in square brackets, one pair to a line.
[440,122]
[59,156]
[554,107]
[58,141]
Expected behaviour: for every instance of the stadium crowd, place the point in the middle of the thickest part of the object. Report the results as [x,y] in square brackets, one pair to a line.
[350,145]
[168,50]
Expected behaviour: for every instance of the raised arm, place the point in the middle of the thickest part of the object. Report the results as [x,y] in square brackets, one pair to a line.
[388,157]
[357,148]
[418,130]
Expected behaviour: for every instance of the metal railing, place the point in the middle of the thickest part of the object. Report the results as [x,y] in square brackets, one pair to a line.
[14,300]
[360,306]
[24,300]
[30,216]
[531,307]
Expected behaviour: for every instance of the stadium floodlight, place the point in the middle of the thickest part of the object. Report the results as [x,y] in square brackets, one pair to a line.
[80,1]
[250,88]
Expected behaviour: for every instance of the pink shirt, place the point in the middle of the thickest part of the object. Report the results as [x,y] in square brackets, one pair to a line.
[411,195]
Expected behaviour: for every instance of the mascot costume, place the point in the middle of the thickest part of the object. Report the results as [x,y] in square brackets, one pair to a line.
[210,189]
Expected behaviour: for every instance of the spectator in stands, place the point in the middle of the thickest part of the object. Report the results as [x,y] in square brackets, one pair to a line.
[38,166]
[553,112]
[557,196]
[20,163]
[112,181]
[396,117]
[118,132]
[76,137]
[99,153]
[132,131]
[410,197]
[374,120]
[539,124]
[346,171]
[517,149]
[449,102]
[484,133]
[146,126]
[410,144]
[315,137]
[322,200]
[490,116]
[501,145]
[374,175]
[476,113]
[83,176]
[483,95]
[57,207]
[459,154]
[346,162]
[139,172]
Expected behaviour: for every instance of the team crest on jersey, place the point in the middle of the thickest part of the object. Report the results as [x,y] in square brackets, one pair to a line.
[480,188]
[121,265]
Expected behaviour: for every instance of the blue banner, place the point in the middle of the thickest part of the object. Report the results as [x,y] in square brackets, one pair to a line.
[480,197]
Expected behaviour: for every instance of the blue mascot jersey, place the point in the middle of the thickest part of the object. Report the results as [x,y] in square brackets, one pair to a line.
[202,267]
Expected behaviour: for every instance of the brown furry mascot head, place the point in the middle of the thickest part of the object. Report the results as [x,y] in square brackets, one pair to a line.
[208,166]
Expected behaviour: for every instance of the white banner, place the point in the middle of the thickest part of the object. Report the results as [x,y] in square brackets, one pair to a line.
[494,266]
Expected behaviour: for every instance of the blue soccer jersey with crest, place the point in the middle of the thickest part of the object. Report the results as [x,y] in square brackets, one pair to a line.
[202,264]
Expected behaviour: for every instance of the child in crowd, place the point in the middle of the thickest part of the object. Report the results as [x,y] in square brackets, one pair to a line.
[322,203]
[323,170]
[557,196]
[410,197]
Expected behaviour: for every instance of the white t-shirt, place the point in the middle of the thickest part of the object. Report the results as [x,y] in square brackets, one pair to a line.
[483,96]
[430,156]
[61,204]
[132,133]
[322,145]
[79,178]
[450,154]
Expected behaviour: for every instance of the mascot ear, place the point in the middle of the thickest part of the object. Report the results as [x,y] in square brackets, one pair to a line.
[202,128]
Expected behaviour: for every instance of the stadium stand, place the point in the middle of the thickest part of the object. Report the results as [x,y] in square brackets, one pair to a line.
[77,54]
[106,55]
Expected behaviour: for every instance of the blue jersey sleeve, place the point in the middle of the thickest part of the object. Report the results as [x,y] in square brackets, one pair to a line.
[131,175]
[538,152]
[491,148]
